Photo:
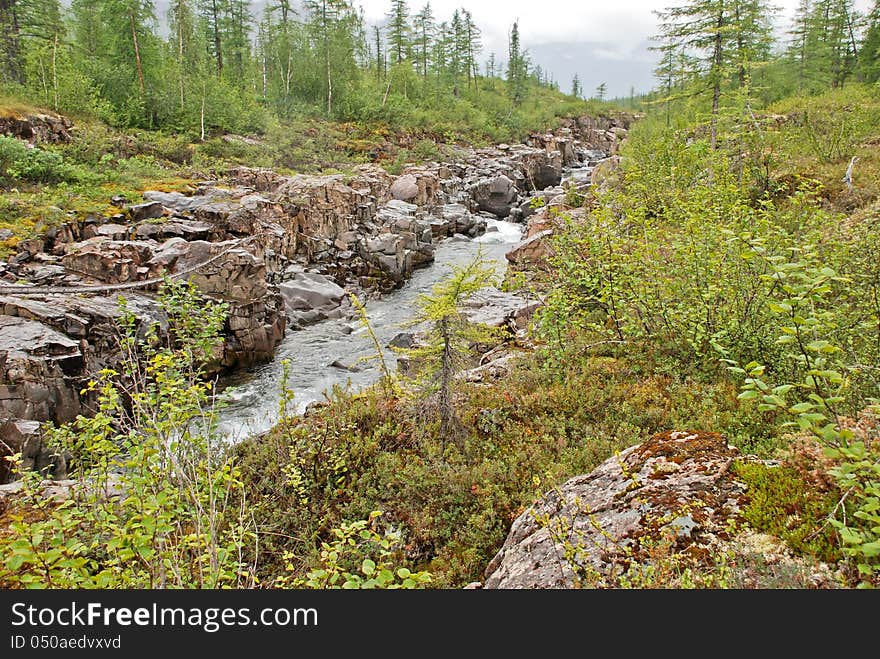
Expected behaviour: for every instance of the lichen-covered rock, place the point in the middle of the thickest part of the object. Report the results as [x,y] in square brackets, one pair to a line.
[676,485]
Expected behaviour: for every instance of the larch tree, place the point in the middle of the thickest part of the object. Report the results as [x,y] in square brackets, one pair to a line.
[330,27]
[238,22]
[869,52]
[423,24]
[398,31]
[211,13]
[182,27]
[726,36]
[130,62]
[26,24]
[473,45]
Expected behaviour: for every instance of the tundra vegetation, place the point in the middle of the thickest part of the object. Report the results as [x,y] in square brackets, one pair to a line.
[724,277]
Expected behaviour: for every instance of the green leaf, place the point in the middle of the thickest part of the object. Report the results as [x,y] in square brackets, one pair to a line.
[15,562]
[801,407]
[368,567]
[779,307]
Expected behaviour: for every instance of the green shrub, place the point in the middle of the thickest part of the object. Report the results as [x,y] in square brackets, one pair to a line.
[19,162]
[783,503]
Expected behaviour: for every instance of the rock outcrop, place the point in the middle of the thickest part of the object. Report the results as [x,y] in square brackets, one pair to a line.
[278,249]
[35,127]
[677,486]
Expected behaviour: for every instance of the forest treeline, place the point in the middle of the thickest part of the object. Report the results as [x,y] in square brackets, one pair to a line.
[218,66]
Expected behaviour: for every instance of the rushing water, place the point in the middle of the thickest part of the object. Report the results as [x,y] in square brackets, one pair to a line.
[253,396]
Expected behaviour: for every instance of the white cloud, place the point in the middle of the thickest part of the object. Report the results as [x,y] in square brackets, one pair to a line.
[625,23]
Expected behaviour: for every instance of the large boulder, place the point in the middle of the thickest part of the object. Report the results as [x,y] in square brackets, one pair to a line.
[307,291]
[496,195]
[676,486]
[311,297]
[148,210]
[405,188]
[418,185]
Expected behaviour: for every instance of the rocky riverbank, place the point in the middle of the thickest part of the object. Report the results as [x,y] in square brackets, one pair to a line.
[281,250]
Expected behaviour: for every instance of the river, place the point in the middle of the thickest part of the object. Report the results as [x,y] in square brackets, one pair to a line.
[252,397]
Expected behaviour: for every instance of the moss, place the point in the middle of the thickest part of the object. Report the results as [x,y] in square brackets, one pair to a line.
[672,446]
[780,501]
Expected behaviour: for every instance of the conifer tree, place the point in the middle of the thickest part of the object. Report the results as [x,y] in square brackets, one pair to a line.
[517,66]
[398,31]
[422,39]
[449,338]
[727,35]
[869,53]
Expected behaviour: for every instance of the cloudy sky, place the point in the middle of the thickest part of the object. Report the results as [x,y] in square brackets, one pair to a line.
[601,41]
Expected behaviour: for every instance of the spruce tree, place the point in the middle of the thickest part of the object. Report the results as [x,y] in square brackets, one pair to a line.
[517,66]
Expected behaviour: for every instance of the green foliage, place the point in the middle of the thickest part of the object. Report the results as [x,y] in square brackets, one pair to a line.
[359,557]
[449,338]
[810,314]
[782,502]
[152,504]
[454,509]
[387,382]
[832,125]
[18,162]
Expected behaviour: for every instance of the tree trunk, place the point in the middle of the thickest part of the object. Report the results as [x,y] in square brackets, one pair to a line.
[329,78]
[55,71]
[13,40]
[137,57]
[180,61]
[448,427]
[202,113]
[716,77]
[218,43]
